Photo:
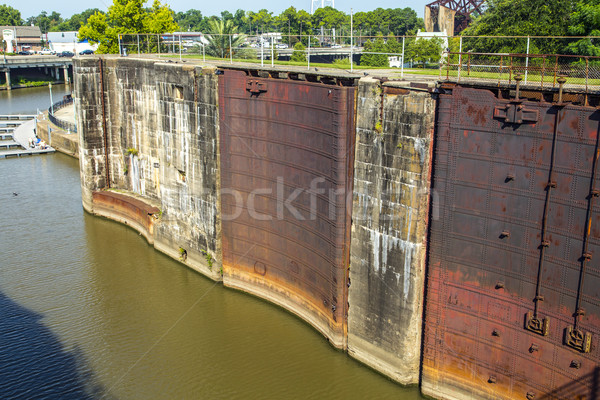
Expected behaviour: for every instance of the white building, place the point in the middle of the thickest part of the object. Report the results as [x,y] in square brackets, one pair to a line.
[67,41]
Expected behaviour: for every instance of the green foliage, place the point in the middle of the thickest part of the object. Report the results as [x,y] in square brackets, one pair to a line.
[10,16]
[298,53]
[126,16]
[375,60]
[219,45]
[424,50]
[341,62]
[131,151]
[536,18]
[76,21]
[208,258]
[45,22]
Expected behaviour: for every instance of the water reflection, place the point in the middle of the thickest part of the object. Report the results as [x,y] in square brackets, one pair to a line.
[37,366]
[29,100]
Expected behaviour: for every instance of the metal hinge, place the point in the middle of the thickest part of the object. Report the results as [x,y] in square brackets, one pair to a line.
[256,87]
[516,114]
[578,339]
[539,326]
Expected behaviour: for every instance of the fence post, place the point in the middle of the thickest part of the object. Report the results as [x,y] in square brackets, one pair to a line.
[402,66]
[120,53]
[230,51]
[527,60]
[203,53]
[262,52]
[138,40]
[158,44]
[459,58]
[180,47]
[272,50]
[308,55]
[351,26]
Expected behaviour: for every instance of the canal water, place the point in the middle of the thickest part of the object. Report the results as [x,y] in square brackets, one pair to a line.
[88,310]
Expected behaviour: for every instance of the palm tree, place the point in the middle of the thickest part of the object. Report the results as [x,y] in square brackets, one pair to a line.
[219,42]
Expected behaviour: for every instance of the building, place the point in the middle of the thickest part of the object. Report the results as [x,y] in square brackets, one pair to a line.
[21,38]
[67,41]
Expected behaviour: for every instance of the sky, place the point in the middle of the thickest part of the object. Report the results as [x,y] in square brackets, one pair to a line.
[67,8]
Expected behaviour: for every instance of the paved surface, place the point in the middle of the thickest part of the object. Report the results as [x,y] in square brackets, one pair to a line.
[21,135]
[66,114]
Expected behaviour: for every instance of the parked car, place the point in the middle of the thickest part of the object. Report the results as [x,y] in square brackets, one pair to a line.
[88,52]
[66,54]
[336,46]
[46,52]
[25,53]
[282,46]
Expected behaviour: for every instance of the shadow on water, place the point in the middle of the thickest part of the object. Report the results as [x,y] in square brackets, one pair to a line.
[33,364]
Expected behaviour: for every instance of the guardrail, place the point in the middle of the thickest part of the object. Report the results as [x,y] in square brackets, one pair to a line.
[67,126]
[542,70]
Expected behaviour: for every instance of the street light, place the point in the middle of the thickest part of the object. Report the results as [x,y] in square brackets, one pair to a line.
[51,102]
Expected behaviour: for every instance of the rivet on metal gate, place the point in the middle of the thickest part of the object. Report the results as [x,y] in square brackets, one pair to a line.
[575,364]
[533,347]
[561,82]
[509,178]
[518,78]
[530,396]
[492,379]
[495,333]
[333,307]
[499,285]
[504,234]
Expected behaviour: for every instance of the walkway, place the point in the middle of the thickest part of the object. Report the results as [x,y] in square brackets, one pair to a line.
[21,136]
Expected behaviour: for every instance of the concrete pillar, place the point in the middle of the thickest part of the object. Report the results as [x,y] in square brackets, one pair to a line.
[56,74]
[7,75]
[66,74]
[46,70]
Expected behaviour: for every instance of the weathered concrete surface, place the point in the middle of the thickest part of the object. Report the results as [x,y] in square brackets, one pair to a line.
[159,128]
[387,256]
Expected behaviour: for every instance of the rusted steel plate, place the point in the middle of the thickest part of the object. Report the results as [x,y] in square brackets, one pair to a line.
[286,151]
[513,196]
[127,207]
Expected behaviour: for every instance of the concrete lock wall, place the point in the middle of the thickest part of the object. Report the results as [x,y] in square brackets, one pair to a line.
[159,127]
[150,132]
[390,212]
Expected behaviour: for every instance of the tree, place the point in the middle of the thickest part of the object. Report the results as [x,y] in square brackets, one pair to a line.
[191,20]
[76,21]
[520,18]
[126,16]
[585,21]
[424,50]
[10,16]
[298,53]
[218,42]
[45,22]
[375,60]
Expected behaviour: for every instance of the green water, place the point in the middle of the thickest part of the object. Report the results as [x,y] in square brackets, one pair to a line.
[89,310]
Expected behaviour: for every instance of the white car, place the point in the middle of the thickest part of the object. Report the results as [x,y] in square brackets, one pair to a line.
[46,52]
[282,46]
[336,46]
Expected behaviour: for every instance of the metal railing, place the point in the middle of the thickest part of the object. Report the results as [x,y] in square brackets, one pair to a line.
[541,70]
[65,125]
[458,58]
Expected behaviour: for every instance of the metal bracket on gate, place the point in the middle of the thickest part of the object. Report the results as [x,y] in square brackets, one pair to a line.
[578,339]
[536,325]
[256,87]
[516,113]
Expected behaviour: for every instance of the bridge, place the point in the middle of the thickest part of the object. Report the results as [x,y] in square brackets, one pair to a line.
[51,65]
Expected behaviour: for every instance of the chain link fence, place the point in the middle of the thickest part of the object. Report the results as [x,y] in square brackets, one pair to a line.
[540,60]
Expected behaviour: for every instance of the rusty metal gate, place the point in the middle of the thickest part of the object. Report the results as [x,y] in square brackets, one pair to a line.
[287,150]
[513,293]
